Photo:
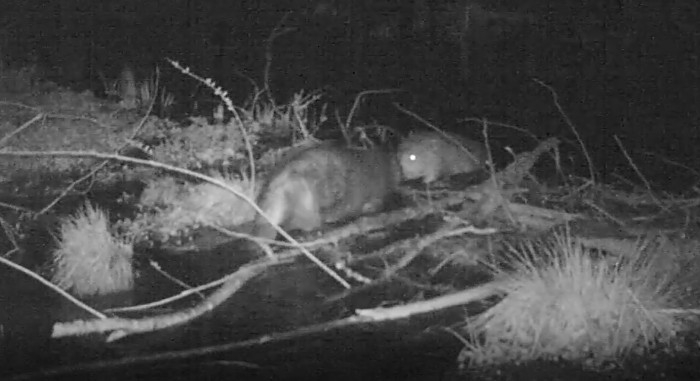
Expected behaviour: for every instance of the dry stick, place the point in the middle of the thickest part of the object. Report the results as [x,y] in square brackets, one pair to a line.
[229,105]
[20,128]
[604,212]
[555,155]
[568,121]
[121,327]
[435,304]
[169,277]
[624,180]
[189,354]
[479,293]
[303,106]
[55,288]
[72,186]
[505,125]
[446,232]
[9,232]
[15,208]
[79,117]
[183,294]
[339,120]
[492,170]
[637,171]
[277,31]
[409,248]
[266,241]
[485,132]
[675,163]
[263,243]
[256,88]
[294,110]
[17,104]
[356,105]
[200,176]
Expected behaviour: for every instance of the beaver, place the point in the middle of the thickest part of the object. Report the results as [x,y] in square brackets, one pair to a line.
[325,184]
[430,155]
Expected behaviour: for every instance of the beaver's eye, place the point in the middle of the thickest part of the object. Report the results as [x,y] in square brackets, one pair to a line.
[412,157]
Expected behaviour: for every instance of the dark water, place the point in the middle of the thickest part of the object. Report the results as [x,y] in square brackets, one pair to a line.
[225,342]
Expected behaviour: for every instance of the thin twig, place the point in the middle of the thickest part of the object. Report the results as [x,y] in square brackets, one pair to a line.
[185,293]
[156,266]
[78,117]
[15,208]
[17,104]
[445,232]
[20,128]
[223,95]
[276,32]
[492,169]
[604,212]
[674,163]
[359,97]
[480,121]
[568,121]
[637,171]
[10,233]
[54,287]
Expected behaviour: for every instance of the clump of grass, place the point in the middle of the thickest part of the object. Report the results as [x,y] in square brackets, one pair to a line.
[171,208]
[211,204]
[90,260]
[564,303]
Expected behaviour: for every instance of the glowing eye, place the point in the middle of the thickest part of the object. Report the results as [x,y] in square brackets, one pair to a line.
[412,157]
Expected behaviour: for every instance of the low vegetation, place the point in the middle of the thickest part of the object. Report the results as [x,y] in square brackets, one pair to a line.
[563,301]
[90,258]
[170,208]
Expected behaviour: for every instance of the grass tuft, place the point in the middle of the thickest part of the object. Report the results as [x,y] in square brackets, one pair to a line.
[171,208]
[562,301]
[89,260]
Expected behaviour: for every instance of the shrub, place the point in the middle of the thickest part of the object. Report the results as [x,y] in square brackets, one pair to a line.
[105,132]
[89,260]
[562,303]
[171,208]
[202,145]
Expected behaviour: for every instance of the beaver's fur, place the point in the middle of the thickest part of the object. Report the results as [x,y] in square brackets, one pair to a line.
[326,183]
[430,155]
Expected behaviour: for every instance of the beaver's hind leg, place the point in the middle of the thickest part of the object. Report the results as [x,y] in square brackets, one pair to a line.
[305,211]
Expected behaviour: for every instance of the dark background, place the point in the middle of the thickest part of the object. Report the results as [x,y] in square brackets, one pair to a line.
[625,69]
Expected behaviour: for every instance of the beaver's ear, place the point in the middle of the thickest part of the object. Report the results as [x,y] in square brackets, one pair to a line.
[409,135]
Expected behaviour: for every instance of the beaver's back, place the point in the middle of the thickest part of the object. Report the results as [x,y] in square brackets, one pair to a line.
[430,155]
[369,177]
[328,183]
[349,182]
